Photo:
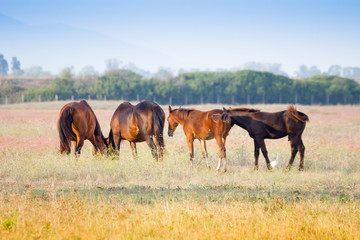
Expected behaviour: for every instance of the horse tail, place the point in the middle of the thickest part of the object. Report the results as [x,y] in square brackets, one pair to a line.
[111,139]
[65,129]
[298,116]
[224,117]
[158,121]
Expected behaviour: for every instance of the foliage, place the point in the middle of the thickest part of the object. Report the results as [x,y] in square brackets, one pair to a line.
[202,87]
[62,86]
[4,67]
[16,69]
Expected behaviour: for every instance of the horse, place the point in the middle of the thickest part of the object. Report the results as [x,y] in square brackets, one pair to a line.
[202,126]
[139,123]
[77,122]
[263,125]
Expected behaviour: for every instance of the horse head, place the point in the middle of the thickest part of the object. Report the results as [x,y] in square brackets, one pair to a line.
[173,123]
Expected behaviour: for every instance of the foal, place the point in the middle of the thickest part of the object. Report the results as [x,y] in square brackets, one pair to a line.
[202,126]
[262,125]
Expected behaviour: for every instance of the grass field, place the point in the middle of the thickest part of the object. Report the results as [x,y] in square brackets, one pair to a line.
[46,195]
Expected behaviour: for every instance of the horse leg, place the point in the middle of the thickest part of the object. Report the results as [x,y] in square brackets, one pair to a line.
[79,144]
[256,155]
[262,146]
[133,150]
[92,139]
[204,152]
[294,150]
[222,153]
[152,146]
[190,142]
[301,149]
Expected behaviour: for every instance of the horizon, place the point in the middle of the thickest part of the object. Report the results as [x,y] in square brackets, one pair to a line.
[204,35]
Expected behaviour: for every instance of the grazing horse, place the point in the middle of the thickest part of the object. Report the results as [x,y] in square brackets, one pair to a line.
[263,125]
[139,123]
[202,126]
[77,122]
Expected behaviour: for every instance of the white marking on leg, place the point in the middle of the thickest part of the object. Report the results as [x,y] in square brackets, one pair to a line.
[219,165]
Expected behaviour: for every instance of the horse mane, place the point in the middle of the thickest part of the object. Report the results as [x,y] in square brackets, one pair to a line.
[242,109]
[183,112]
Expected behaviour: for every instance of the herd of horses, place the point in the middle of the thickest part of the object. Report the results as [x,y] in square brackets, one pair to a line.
[145,122]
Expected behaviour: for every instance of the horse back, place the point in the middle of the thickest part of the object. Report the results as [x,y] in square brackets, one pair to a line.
[85,121]
[135,123]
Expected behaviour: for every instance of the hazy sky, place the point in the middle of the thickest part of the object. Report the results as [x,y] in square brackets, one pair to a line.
[200,33]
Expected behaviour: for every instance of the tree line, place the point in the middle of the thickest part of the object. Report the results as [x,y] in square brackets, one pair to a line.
[241,87]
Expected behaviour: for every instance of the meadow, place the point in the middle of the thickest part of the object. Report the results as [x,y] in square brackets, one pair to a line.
[47,195]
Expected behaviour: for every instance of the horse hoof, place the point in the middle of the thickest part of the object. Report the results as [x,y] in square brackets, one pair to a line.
[256,168]
[301,169]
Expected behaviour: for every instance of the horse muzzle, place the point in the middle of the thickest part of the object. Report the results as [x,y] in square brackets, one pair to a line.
[170,133]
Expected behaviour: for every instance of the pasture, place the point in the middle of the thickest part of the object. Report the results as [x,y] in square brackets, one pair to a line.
[48,195]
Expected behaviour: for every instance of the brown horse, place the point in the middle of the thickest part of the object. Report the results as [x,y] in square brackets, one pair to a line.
[77,122]
[139,123]
[263,125]
[202,126]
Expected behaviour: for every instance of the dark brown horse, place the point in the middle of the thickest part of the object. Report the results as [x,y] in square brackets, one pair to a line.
[139,123]
[263,125]
[77,122]
[202,126]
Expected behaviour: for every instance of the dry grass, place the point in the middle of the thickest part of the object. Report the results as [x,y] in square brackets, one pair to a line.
[117,197]
[74,217]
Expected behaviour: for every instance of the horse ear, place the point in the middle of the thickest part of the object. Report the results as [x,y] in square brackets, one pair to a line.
[169,109]
[224,108]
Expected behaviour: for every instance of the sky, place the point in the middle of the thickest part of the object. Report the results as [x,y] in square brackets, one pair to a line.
[203,34]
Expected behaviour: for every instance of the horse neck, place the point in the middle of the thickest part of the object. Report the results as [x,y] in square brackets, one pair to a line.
[242,120]
[180,118]
[98,131]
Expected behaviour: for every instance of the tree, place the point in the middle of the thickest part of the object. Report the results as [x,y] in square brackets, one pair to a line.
[4,67]
[351,72]
[36,71]
[334,70]
[305,72]
[16,69]
[112,64]
[164,73]
[88,71]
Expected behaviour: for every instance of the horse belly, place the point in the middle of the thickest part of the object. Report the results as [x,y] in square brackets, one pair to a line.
[209,136]
[204,136]
[133,135]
